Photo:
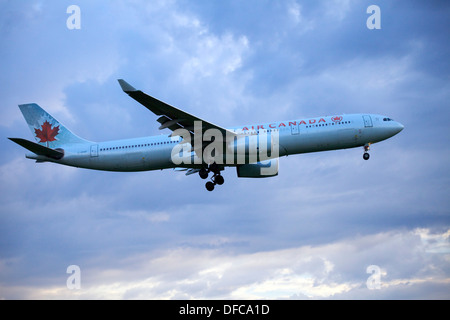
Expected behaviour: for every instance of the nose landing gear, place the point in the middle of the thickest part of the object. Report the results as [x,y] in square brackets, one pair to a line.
[366,155]
[216,179]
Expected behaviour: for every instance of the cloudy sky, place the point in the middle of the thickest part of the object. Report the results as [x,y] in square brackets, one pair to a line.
[310,233]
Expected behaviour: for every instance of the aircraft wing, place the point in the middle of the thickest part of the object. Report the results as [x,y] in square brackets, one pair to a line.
[170,117]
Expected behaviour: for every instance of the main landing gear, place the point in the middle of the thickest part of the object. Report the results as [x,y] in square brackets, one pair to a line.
[217,178]
[366,155]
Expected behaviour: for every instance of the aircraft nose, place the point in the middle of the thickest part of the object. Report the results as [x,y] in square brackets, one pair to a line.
[398,127]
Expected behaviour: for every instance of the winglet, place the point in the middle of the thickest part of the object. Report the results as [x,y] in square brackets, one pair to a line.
[126,87]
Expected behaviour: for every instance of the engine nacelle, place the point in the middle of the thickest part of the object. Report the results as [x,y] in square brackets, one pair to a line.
[263,169]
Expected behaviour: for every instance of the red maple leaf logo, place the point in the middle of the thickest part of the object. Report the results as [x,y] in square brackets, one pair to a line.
[47,133]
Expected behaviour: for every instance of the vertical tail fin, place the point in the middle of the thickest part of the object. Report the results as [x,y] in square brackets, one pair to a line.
[47,130]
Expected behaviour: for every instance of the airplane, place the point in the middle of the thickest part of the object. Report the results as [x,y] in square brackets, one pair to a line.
[199,146]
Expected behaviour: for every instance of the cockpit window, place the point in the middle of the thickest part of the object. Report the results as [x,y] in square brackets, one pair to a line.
[387,119]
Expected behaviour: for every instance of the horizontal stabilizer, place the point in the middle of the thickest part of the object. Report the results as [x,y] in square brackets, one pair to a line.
[38,149]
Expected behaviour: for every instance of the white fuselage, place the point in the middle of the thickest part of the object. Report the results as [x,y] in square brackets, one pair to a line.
[295,137]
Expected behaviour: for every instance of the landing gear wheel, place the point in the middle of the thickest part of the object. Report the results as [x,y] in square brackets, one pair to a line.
[213,167]
[209,186]
[219,179]
[216,179]
[203,173]
[366,156]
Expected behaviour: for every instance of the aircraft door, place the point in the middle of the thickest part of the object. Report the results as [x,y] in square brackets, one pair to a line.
[367,121]
[294,128]
[94,150]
